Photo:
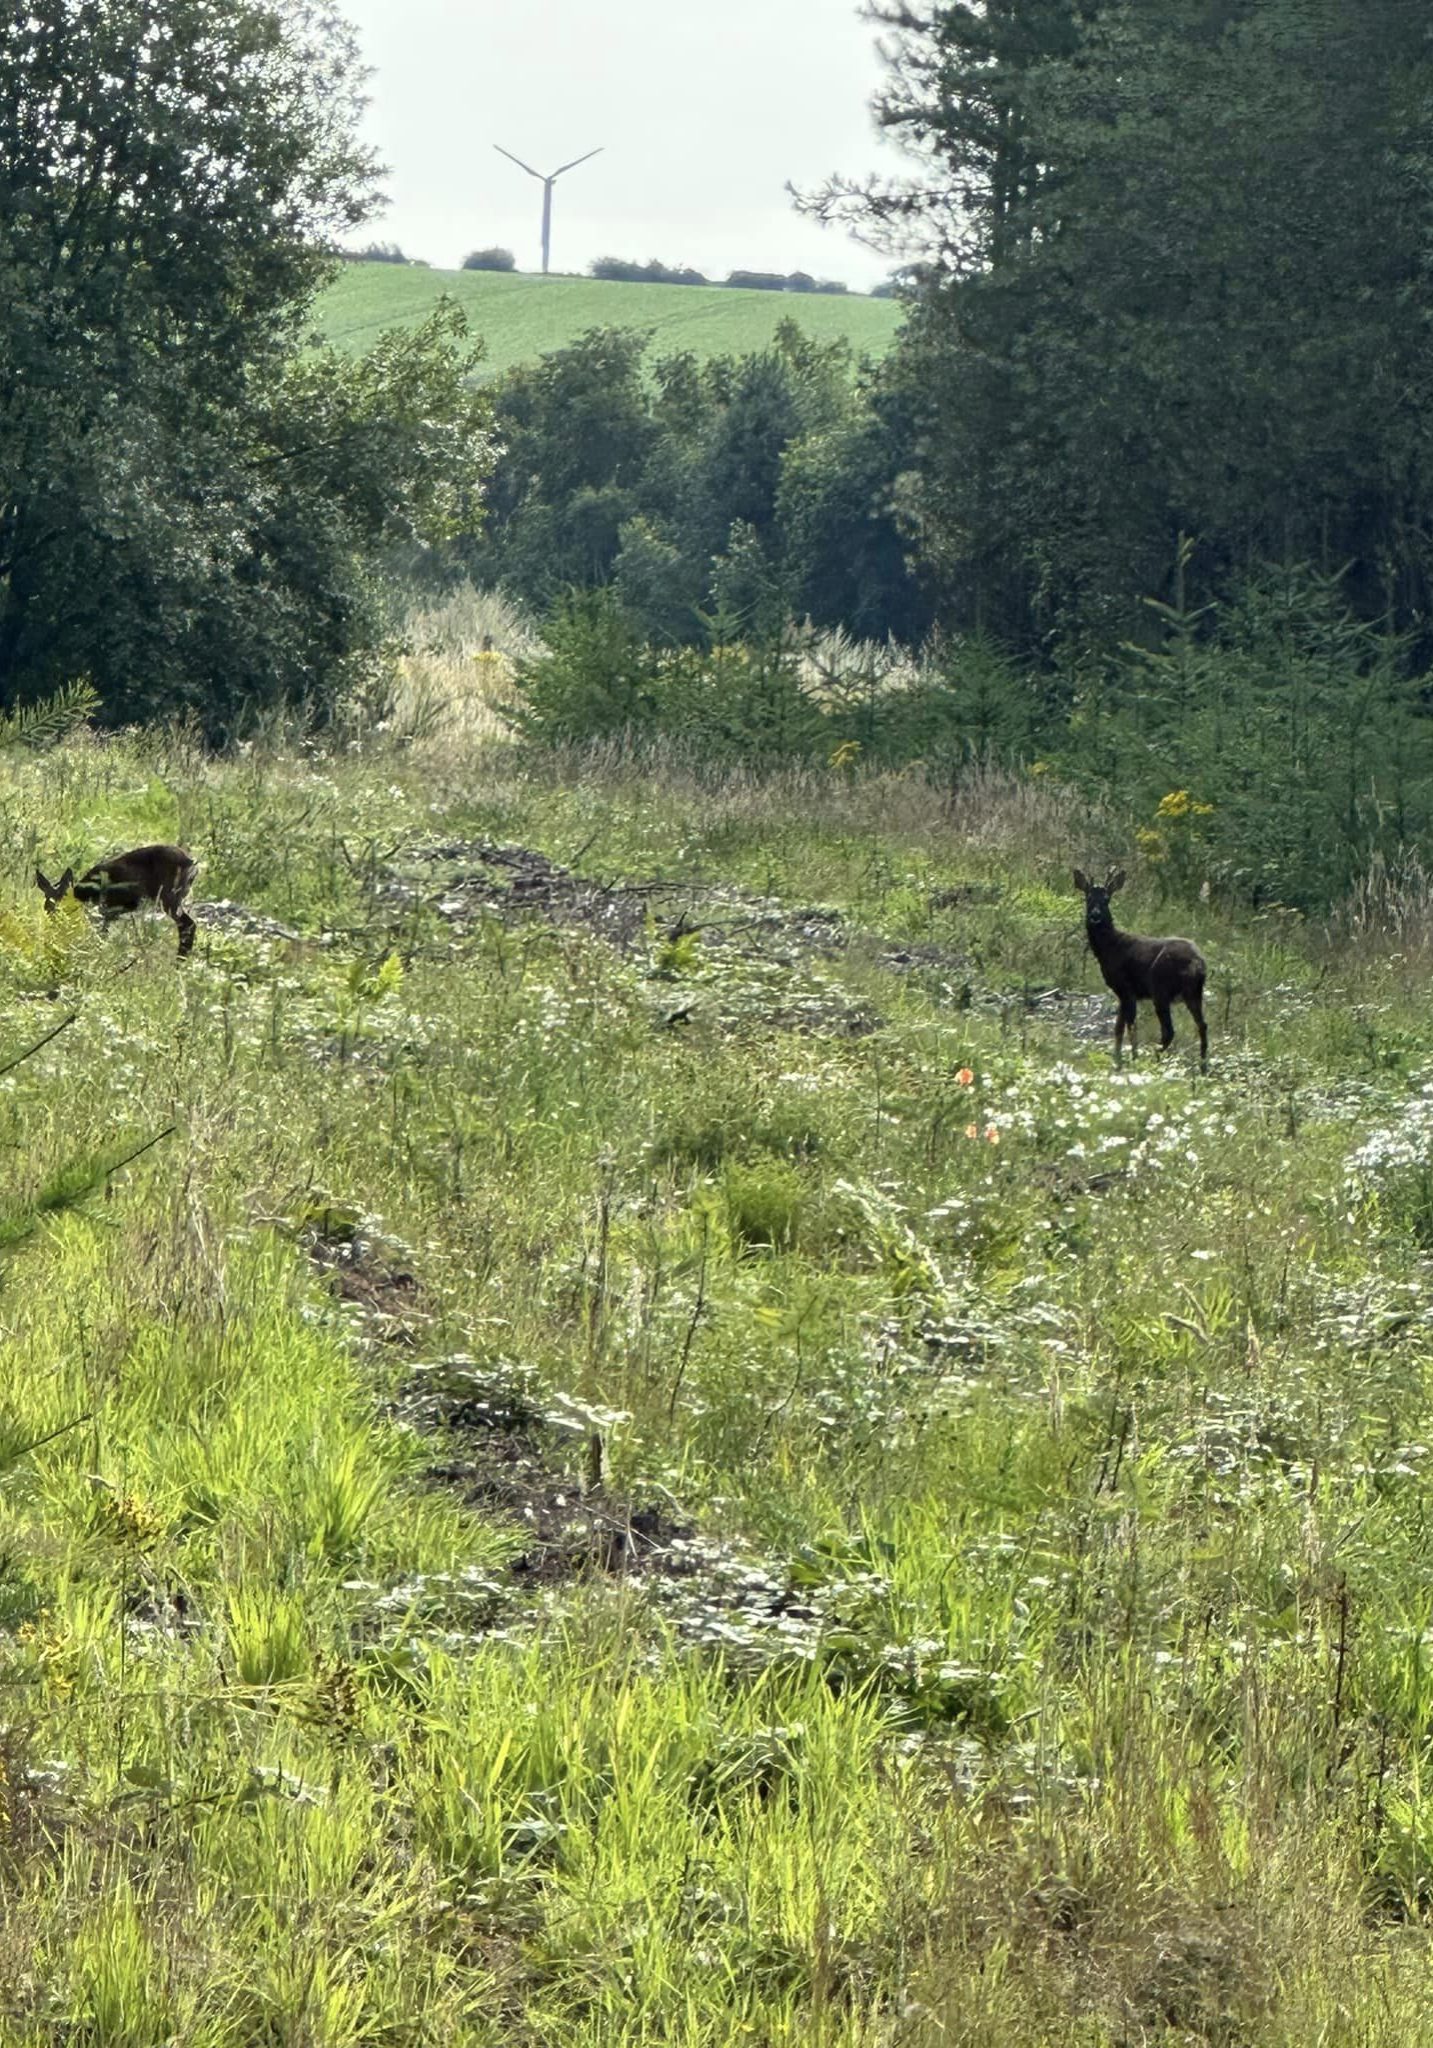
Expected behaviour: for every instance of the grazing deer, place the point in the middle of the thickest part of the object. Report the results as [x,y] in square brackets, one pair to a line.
[1158,971]
[126,881]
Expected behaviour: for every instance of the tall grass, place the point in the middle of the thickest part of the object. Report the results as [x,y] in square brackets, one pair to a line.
[1019,1466]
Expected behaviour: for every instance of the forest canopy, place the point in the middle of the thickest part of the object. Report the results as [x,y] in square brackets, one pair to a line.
[189,498]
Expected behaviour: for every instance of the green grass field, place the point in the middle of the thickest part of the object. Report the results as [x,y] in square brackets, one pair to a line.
[666,1453]
[520,317]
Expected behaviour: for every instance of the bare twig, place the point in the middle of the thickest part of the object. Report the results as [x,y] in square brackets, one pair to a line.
[40,1043]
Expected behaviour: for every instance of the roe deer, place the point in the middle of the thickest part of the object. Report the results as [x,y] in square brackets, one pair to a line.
[126,881]
[1158,971]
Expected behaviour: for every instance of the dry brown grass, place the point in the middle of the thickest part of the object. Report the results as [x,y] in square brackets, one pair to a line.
[986,808]
[456,670]
[1388,909]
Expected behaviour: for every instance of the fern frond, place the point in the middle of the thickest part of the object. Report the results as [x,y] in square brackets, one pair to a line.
[52,719]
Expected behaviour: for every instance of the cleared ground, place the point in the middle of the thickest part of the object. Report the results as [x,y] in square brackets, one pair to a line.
[660,1450]
[521,317]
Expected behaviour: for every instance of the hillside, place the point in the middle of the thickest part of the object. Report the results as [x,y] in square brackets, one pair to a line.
[659,1448]
[525,316]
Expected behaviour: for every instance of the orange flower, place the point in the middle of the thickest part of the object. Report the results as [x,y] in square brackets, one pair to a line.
[992,1136]
[965,1077]
[972,1130]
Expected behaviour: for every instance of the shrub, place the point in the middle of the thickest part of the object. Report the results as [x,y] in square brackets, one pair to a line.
[490,259]
[743,703]
[658,584]
[1295,729]
[623,270]
[376,252]
[594,678]
[598,678]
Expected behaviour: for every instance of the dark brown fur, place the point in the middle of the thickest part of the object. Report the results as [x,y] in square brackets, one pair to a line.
[127,881]
[1158,971]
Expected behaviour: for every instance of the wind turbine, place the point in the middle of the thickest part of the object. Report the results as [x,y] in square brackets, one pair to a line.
[547,184]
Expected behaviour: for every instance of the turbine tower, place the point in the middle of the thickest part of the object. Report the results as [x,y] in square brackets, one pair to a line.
[547,184]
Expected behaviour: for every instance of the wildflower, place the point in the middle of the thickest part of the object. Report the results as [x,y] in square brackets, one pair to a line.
[1177,804]
[965,1077]
[972,1130]
[844,756]
[992,1136]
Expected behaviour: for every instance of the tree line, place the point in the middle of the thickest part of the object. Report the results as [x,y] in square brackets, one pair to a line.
[1171,283]
[193,494]
[742,490]
[1174,280]
[1165,354]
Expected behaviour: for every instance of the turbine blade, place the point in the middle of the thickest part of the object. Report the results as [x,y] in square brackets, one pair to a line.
[579,160]
[519,162]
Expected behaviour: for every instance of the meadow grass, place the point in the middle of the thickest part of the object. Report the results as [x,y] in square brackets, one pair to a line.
[521,317]
[1029,1641]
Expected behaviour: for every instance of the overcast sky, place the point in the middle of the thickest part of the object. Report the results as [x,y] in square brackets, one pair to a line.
[703,109]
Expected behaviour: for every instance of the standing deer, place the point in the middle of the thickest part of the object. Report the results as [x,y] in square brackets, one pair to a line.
[127,881]
[1158,971]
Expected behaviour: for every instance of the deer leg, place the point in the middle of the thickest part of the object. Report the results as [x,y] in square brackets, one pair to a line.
[171,902]
[1166,1026]
[1195,1006]
[1128,1020]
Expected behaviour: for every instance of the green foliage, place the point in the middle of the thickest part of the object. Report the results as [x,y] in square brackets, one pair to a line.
[331,464]
[657,582]
[266,1638]
[193,504]
[594,679]
[1300,750]
[51,719]
[627,270]
[763,1200]
[728,487]
[1273,749]
[848,561]
[1178,272]
[599,679]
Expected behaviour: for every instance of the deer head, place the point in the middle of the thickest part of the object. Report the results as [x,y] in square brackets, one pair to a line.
[54,892]
[1097,896]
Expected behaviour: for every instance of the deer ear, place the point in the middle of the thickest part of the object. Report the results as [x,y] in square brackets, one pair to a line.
[42,881]
[66,882]
[1116,881]
[1082,880]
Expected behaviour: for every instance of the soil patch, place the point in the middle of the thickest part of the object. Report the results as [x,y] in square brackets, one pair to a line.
[519,881]
[513,1463]
[364,1271]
